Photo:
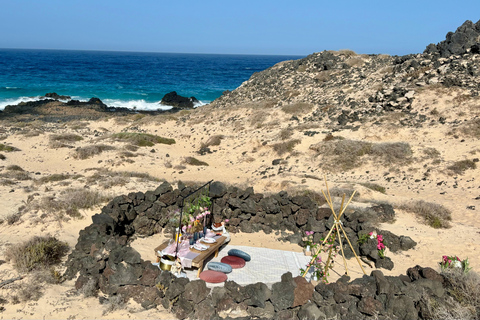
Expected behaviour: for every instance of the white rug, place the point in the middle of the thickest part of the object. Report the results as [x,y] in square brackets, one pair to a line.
[266,265]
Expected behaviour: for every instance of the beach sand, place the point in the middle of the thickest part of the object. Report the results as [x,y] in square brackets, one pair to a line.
[243,158]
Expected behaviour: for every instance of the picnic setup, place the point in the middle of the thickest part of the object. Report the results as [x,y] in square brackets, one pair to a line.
[193,250]
[194,243]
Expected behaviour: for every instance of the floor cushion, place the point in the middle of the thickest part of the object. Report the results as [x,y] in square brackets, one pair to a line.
[218,266]
[234,262]
[239,253]
[211,276]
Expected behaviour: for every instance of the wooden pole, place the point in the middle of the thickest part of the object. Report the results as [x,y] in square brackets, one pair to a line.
[341,247]
[351,247]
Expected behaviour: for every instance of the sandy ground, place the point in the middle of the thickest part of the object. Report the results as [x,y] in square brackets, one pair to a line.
[243,158]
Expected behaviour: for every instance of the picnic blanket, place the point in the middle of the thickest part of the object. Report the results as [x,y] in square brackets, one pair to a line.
[267,265]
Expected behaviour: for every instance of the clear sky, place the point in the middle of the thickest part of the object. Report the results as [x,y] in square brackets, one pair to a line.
[242,26]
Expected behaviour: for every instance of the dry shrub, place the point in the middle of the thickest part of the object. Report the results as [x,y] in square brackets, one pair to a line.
[114,303]
[31,290]
[257,119]
[57,177]
[323,76]
[14,167]
[2,157]
[141,139]
[431,153]
[339,192]
[355,62]
[36,253]
[284,147]
[459,167]
[127,154]
[347,53]
[346,154]
[69,201]
[373,186]
[392,152]
[90,151]
[89,289]
[194,161]
[299,108]
[286,133]
[213,141]
[471,128]
[7,148]
[107,179]
[65,137]
[434,215]
[463,290]
[15,174]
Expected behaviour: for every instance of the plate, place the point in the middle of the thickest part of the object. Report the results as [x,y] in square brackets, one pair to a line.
[209,240]
[199,247]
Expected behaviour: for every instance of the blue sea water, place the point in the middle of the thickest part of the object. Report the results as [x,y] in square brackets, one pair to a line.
[124,79]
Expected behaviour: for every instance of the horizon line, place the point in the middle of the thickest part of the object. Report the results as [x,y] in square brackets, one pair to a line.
[168,52]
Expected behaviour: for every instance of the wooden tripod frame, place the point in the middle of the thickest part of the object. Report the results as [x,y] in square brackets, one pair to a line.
[337,226]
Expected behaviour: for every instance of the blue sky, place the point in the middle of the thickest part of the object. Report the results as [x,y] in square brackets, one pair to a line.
[246,27]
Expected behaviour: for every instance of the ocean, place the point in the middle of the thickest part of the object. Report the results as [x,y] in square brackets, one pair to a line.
[124,79]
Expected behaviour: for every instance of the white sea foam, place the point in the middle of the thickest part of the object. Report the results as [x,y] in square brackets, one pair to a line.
[15,101]
[136,104]
[130,104]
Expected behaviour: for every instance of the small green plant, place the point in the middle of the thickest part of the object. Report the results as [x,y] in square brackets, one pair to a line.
[141,139]
[6,148]
[195,162]
[36,253]
[373,186]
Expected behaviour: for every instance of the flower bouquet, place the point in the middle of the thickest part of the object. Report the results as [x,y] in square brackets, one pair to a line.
[454,262]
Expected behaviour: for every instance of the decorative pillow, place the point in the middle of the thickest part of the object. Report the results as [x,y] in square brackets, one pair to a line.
[211,276]
[218,266]
[239,253]
[234,262]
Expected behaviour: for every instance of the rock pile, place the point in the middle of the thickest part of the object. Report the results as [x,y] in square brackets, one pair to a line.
[103,257]
[466,38]
[346,89]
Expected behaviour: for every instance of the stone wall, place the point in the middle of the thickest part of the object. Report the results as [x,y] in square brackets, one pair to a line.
[103,256]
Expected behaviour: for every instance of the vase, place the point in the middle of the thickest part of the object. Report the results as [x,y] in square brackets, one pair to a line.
[307,251]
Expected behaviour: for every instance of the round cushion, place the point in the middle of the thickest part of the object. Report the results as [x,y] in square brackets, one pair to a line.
[218,266]
[239,253]
[234,262]
[211,276]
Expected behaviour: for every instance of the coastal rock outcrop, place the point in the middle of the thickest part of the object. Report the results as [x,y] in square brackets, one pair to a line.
[177,101]
[466,37]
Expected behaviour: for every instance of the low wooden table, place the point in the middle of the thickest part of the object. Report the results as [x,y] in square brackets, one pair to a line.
[198,261]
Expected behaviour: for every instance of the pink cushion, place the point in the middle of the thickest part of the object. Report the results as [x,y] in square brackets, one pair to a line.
[234,262]
[211,276]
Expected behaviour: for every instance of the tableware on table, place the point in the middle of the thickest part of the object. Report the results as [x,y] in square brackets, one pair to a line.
[209,240]
[199,247]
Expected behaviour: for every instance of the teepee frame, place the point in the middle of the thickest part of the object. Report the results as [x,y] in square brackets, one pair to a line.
[337,226]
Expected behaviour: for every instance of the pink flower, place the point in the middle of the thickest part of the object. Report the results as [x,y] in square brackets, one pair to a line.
[184,229]
[380,237]
[199,216]
[227,220]
[207,212]
[189,226]
[192,219]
